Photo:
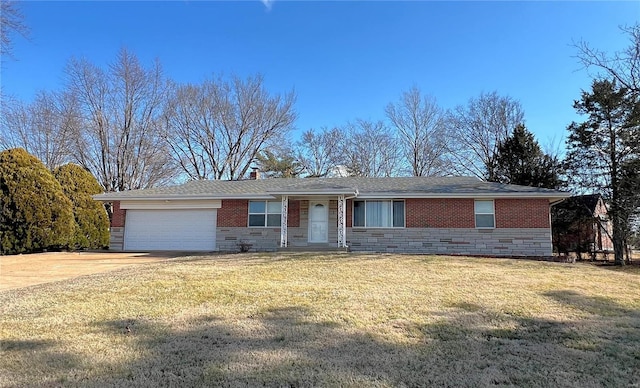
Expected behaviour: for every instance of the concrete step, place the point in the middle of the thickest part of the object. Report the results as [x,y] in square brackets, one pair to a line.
[314,248]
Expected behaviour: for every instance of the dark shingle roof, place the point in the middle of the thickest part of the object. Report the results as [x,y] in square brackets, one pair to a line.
[363,187]
[581,205]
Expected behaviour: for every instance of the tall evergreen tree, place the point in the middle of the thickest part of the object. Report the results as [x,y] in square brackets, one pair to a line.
[603,150]
[520,161]
[91,220]
[278,166]
[34,212]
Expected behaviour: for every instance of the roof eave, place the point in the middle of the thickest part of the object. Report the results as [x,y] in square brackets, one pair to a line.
[319,192]
[551,196]
[111,198]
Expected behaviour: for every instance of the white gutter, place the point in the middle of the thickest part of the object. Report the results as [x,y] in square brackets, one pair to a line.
[346,192]
[558,201]
[463,195]
[109,198]
[353,196]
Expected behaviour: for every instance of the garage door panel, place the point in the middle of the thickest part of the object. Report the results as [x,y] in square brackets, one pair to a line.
[189,230]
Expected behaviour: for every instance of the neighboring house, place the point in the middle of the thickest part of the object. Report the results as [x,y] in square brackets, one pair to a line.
[449,215]
[581,225]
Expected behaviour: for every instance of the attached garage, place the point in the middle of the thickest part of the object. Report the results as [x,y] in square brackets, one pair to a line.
[170,225]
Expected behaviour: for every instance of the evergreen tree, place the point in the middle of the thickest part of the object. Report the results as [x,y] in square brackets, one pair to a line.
[630,200]
[520,161]
[278,166]
[34,212]
[603,152]
[91,220]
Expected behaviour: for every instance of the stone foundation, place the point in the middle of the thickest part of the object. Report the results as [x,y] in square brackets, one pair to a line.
[459,241]
[116,238]
[234,239]
[492,242]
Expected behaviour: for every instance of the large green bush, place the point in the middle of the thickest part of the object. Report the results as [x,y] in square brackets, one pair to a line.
[91,220]
[34,212]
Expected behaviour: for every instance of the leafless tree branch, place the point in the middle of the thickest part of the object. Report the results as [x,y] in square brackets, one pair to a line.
[421,132]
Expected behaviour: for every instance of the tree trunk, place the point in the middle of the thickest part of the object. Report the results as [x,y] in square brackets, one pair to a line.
[618,242]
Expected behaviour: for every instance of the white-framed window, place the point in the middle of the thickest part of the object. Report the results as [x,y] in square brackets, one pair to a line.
[485,213]
[265,213]
[378,213]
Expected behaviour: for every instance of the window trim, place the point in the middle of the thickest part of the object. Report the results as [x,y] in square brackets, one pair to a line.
[404,213]
[265,214]
[476,213]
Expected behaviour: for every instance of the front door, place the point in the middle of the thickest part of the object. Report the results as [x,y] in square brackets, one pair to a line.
[318,222]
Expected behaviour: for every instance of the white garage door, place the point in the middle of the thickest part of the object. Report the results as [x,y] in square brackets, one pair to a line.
[181,230]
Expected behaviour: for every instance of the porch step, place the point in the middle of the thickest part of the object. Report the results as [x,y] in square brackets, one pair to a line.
[314,248]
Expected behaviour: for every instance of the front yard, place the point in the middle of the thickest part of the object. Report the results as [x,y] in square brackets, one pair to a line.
[327,320]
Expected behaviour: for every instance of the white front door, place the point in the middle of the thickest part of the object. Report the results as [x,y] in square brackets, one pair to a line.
[318,222]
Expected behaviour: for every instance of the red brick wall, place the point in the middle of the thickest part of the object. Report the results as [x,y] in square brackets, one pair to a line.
[439,213]
[420,213]
[293,215]
[522,213]
[600,209]
[118,215]
[233,213]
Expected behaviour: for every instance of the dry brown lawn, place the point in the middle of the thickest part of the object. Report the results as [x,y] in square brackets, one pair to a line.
[17,271]
[327,320]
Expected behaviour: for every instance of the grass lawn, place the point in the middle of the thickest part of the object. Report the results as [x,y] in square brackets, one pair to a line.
[327,320]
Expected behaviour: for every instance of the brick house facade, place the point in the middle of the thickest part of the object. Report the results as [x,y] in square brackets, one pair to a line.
[481,219]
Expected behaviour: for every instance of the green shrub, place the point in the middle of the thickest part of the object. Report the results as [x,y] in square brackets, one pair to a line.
[34,212]
[91,220]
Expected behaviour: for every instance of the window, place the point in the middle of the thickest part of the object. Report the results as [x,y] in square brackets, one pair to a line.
[265,213]
[378,214]
[485,215]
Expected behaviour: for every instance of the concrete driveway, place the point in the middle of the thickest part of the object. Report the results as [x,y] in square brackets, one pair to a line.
[18,271]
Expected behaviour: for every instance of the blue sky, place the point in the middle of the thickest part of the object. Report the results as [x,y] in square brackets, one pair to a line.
[346,60]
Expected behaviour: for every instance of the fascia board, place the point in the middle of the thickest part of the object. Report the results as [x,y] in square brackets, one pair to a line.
[345,192]
[109,198]
[553,196]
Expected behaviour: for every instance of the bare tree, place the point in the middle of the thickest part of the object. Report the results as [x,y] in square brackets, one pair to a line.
[190,130]
[477,129]
[319,152]
[44,127]
[14,123]
[11,21]
[119,139]
[369,149]
[217,129]
[422,133]
[623,66]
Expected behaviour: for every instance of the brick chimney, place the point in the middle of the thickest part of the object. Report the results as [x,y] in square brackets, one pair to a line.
[255,173]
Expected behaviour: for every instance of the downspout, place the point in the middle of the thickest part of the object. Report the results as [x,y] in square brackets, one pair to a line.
[355,195]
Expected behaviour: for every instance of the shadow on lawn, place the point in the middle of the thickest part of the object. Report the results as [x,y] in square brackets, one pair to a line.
[37,352]
[24,345]
[291,346]
[593,305]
